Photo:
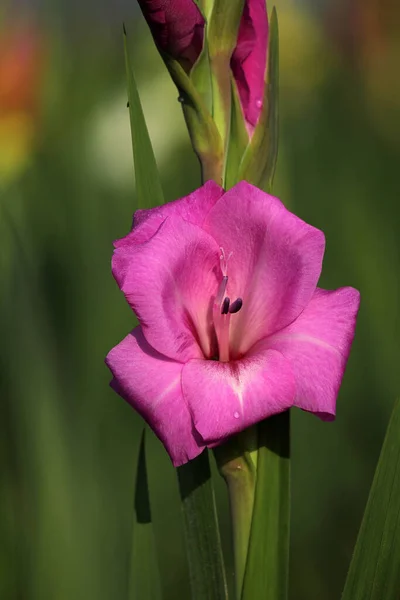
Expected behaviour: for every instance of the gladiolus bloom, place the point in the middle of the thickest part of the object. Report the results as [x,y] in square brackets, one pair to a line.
[178,29]
[233,328]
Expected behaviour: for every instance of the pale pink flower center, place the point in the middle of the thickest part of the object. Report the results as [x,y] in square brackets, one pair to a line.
[223,309]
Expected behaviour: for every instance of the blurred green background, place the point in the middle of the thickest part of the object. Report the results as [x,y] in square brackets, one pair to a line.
[68,444]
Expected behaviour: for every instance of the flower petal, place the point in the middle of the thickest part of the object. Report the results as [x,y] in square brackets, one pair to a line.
[225,398]
[249,59]
[170,282]
[275,265]
[193,208]
[152,385]
[317,345]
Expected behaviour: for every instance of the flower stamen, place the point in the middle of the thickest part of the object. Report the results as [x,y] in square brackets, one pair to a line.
[235,306]
[225,306]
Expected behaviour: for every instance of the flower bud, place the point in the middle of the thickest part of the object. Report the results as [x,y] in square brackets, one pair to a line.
[249,60]
[177,27]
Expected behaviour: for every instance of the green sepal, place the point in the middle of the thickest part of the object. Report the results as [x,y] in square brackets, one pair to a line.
[200,76]
[374,572]
[222,31]
[205,7]
[203,132]
[238,140]
[148,185]
[259,161]
[266,575]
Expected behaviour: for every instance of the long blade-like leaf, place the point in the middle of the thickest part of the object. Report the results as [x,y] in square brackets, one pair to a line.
[207,573]
[375,568]
[266,576]
[144,575]
[167,521]
[148,186]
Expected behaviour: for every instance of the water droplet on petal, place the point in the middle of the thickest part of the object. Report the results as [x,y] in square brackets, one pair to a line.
[259,103]
[236,415]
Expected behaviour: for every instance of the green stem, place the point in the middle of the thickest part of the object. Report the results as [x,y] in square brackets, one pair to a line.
[237,468]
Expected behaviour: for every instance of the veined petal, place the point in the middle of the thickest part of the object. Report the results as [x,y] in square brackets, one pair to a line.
[225,398]
[275,264]
[151,383]
[170,282]
[193,208]
[317,344]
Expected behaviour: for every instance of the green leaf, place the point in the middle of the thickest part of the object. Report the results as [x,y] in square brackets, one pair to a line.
[374,572]
[266,575]
[259,162]
[144,575]
[167,520]
[203,543]
[148,185]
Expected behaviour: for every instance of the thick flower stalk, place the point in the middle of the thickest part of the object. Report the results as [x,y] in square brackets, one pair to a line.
[233,328]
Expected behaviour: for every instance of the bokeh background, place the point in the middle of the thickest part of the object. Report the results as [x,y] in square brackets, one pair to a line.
[68,444]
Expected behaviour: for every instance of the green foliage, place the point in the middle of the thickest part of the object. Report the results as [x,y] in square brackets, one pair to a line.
[145,577]
[266,576]
[375,568]
[203,543]
[148,185]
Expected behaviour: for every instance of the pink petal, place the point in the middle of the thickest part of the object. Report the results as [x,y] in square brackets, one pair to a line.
[250,58]
[275,265]
[170,282]
[317,344]
[152,385]
[225,398]
[193,208]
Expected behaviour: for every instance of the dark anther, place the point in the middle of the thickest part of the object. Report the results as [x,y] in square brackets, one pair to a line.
[236,306]
[225,306]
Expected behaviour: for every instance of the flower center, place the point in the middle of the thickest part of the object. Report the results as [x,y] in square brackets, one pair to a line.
[223,308]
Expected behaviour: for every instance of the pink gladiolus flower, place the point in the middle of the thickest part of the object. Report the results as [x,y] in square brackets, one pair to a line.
[178,29]
[233,328]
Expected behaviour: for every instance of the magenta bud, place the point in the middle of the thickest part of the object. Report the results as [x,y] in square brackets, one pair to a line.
[177,27]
